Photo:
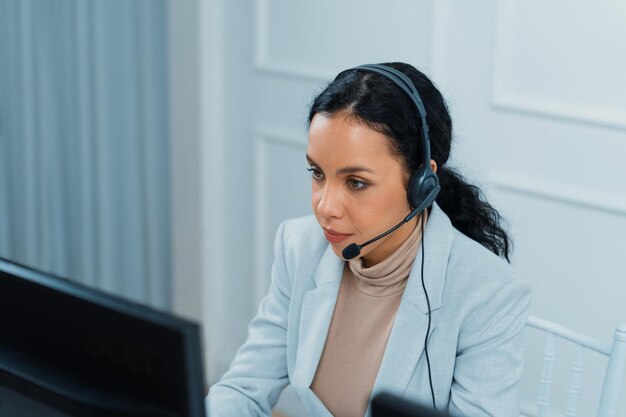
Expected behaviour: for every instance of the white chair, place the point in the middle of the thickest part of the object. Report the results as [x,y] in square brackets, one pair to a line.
[613,377]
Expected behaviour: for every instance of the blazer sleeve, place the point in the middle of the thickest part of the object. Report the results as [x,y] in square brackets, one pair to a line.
[489,361]
[258,374]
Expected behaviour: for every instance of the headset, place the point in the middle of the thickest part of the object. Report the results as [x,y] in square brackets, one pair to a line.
[422,189]
[424,184]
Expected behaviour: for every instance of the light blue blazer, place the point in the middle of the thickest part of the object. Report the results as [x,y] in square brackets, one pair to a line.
[475,343]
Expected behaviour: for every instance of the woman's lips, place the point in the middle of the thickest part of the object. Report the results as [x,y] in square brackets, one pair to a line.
[334,237]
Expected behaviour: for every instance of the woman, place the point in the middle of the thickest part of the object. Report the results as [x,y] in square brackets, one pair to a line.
[429,311]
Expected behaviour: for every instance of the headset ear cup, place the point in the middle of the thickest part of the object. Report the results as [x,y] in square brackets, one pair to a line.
[423,188]
[430,189]
[413,190]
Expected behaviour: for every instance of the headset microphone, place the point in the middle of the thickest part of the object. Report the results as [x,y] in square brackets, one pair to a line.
[353,250]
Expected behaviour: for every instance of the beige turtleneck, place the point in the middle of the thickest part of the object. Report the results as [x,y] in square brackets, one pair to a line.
[364,314]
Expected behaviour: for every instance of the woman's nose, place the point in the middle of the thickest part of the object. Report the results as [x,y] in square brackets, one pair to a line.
[329,203]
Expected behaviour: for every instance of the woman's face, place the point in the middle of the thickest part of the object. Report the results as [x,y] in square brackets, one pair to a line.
[358,187]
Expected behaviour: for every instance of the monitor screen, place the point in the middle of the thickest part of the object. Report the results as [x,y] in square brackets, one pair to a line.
[69,350]
[389,405]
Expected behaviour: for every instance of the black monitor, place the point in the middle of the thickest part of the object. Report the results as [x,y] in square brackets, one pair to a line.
[71,351]
[389,405]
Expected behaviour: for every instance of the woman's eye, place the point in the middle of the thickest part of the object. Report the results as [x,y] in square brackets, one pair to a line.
[316,174]
[356,184]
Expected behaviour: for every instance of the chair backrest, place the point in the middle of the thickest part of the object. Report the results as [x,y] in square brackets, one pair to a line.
[613,377]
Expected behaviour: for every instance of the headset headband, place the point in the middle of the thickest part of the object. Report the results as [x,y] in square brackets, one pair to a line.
[405,83]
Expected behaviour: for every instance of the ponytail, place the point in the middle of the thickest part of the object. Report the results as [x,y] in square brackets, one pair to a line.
[470,213]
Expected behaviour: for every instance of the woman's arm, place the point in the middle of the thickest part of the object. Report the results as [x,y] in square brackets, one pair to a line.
[258,374]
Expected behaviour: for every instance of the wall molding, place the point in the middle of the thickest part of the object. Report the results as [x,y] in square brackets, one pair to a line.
[504,98]
[558,192]
[265,138]
[264,64]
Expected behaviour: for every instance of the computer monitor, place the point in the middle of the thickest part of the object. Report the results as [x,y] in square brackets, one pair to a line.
[389,405]
[68,351]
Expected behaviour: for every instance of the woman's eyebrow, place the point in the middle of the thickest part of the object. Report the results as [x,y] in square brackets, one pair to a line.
[309,160]
[345,170]
[352,170]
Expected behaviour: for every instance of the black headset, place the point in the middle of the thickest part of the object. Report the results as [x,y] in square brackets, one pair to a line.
[423,185]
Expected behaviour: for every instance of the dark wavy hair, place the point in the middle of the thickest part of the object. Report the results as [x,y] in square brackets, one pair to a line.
[378,103]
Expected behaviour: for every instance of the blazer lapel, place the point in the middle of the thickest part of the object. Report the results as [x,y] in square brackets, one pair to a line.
[406,341]
[318,305]
[405,345]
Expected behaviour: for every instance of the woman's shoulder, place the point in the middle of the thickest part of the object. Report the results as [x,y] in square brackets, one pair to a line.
[474,269]
[470,255]
[300,248]
[301,231]
[465,261]
[301,224]
[302,237]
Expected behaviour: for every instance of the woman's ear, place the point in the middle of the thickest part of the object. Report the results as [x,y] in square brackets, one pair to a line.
[433,165]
